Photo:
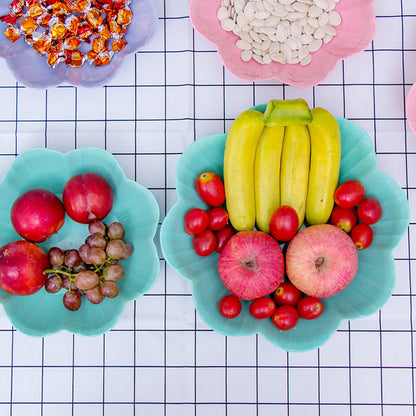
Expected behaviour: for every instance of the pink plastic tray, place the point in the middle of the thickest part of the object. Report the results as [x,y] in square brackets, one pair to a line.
[355,32]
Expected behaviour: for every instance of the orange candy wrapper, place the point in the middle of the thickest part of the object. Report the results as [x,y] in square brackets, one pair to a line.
[70,31]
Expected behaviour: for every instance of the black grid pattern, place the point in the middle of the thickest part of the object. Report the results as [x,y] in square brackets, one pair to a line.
[160,359]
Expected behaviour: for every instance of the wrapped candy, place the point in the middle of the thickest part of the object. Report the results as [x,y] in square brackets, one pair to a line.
[70,31]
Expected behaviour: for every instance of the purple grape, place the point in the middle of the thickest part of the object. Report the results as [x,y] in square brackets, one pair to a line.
[56,256]
[53,284]
[72,300]
[109,289]
[96,256]
[113,272]
[115,230]
[72,258]
[95,295]
[96,240]
[115,248]
[83,252]
[97,227]
[127,252]
[67,283]
[86,280]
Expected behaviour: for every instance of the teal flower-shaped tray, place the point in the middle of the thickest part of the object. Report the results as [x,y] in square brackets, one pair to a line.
[134,206]
[371,287]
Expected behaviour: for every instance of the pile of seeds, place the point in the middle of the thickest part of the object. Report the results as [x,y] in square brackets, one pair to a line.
[284,31]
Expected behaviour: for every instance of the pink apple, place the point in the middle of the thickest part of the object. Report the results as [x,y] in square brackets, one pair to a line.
[321,260]
[21,267]
[87,197]
[251,265]
[37,214]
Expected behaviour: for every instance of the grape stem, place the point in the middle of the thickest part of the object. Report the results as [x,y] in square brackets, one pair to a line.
[54,271]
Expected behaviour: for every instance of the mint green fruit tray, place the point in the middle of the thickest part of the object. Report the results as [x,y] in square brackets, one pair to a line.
[134,206]
[368,292]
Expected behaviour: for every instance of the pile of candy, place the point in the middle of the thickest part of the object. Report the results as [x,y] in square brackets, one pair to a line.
[70,31]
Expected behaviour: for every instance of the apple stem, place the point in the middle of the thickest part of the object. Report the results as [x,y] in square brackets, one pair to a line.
[319,262]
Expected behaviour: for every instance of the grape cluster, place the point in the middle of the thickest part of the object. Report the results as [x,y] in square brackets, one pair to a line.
[93,269]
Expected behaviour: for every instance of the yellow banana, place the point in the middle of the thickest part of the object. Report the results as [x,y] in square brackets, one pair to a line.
[239,155]
[325,164]
[295,169]
[287,112]
[267,175]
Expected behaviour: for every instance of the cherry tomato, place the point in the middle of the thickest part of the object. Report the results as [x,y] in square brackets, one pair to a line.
[349,194]
[218,218]
[309,307]
[344,218]
[284,223]
[196,221]
[229,306]
[362,236]
[287,294]
[369,211]
[210,189]
[285,317]
[204,243]
[262,308]
[223,236]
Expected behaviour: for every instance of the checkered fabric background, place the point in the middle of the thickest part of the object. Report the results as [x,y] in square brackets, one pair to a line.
[160,358]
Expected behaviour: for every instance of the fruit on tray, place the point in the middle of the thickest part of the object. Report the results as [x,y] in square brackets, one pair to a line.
[251,265]
[229,306]
[21,267]
[325,164]
[239,156]
[284,223]
[266,176]
[354,213]
[222,236]
[281,172]
[309,308]
[290,155]
[287,112]
[369,211]
[218,218]
[204,243]
[87,197]
[321,260]
[196,221]
[262,308]
[362,236]
[344,218]
[210,229]
[37,214]
[210,189]
[349,194]
[93,269]
[295,169]
[285,317]
[287,294]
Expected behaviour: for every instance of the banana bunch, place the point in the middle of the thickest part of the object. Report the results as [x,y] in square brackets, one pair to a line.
[290,155]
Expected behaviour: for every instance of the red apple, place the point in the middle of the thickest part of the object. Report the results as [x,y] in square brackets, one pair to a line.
[21,267]
[37,214]
[251,265]
[321,260]
[87,197]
